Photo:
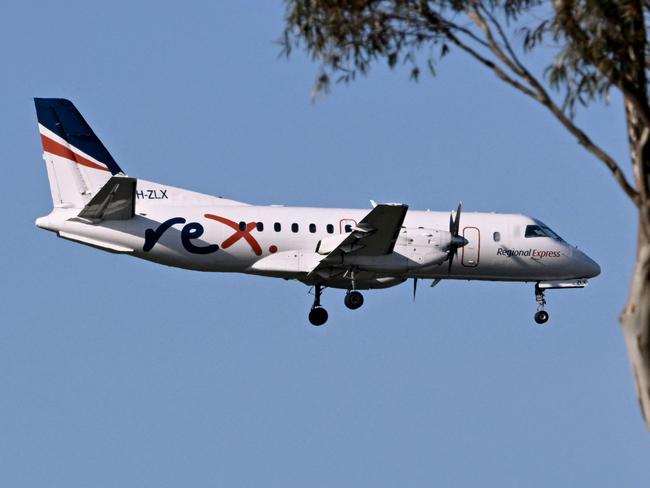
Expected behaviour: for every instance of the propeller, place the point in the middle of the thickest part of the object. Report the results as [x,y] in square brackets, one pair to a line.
[457,241]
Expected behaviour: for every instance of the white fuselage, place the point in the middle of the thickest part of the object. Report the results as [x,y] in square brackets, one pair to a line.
[190,230]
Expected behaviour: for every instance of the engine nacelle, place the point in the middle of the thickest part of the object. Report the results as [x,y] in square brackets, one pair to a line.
[415,248]
[423,247]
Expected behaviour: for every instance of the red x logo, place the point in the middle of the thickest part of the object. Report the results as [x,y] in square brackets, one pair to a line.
[246,233]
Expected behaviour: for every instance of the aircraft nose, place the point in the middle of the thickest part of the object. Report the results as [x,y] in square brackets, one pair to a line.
[588,267]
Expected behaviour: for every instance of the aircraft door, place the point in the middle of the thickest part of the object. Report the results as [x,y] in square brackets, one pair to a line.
[471,252]
[346,226]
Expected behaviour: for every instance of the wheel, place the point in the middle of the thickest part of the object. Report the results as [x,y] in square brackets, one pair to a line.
[318,316]
[541,317]
[353,300]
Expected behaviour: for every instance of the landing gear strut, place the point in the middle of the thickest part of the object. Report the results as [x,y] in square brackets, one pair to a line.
[541,316]
[317,314]
[353,299]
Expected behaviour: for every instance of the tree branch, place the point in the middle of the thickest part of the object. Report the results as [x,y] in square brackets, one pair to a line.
[575,31]
[539,93]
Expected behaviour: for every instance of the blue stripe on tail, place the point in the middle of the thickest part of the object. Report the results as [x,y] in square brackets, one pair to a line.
[61,117]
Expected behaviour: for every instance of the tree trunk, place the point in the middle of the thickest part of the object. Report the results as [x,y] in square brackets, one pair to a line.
[635,321]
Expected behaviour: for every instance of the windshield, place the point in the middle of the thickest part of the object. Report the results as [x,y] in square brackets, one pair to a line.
[541,231]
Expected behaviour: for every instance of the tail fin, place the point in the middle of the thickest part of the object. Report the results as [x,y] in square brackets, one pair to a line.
[78,164]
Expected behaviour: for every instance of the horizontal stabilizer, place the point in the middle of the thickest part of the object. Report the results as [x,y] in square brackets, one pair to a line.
[115,201]
[99,244]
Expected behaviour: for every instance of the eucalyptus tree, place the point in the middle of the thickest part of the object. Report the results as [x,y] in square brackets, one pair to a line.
[597,46]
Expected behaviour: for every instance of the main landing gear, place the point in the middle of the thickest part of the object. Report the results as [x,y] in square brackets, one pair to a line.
[541,316]
[318,315]
[353,299]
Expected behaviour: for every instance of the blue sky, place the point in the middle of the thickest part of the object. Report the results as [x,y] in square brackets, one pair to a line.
[117,372]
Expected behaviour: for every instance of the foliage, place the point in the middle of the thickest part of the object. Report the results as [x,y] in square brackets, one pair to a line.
[597,45]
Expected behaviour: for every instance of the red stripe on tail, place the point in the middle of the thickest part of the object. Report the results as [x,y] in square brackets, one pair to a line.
[60,150]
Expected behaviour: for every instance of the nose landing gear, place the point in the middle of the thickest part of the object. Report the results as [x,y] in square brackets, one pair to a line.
[317,314]
[541,316]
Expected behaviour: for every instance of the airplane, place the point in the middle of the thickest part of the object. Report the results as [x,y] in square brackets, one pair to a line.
[95,203]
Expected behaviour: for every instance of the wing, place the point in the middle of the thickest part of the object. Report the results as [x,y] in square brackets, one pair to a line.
[375,235]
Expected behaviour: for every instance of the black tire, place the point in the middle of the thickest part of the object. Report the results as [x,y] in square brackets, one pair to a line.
[541,317]
[318,316]
[353,300]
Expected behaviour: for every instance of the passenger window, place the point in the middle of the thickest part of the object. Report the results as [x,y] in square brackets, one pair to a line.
[277,227]
[259,226]
[312,228]
[294,227]
[330,229]
[496,236]
[348,228]
[242,225]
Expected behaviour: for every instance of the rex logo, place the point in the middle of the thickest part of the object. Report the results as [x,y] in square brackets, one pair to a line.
[195,230]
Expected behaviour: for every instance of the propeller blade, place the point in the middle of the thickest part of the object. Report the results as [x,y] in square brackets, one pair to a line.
[454,221]
[456,240]
[435,282]
[415,287]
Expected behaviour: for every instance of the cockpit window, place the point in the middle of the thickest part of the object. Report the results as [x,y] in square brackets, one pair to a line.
[541,231]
